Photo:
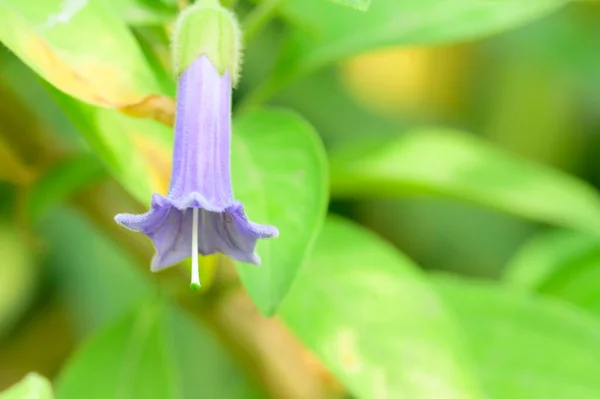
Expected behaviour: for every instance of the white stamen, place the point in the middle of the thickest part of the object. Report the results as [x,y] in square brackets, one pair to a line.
[195,284]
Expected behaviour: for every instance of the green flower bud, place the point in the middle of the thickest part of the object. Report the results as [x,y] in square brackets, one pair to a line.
[208,29]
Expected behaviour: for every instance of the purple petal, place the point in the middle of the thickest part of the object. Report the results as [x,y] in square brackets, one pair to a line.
[170,228]
[200,179]
[203,135]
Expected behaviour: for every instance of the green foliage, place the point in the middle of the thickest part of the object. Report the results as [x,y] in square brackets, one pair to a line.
[156,351]
[135,151]
[525,346]
[447,163]
[33,386]
[91,271]
[564,264]
[375,321]
[273,187]
[362,5]
[62,181]
[328,33]
[333,309]
[81,47]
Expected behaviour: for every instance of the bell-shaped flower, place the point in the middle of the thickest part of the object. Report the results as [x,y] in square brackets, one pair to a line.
[200,215]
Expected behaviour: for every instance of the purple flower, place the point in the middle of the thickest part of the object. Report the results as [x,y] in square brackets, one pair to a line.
[200,214]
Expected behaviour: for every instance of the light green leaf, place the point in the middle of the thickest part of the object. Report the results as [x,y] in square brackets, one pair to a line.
[450,164]
[527,347]
[137,152]
[369,314]
[362,5]
[33,386]
[80,46]
[279,172]
[563,264]
[145,12]
[550,253]
[155,352]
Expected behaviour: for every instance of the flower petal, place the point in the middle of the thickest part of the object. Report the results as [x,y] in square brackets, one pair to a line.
[227,231]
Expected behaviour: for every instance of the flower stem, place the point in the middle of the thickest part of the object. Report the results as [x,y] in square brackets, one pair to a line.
[259,17]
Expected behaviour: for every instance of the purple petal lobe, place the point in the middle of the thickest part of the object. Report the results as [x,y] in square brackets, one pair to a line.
[227,231]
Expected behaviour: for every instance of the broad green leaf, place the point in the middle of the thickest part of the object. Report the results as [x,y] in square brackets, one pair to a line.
[527,347]
[279,172]
[563,264]
[61,181]
[362,5]
[155,352]
[328,33]
[450,164]
[33,386]
[82,47]
[369,314]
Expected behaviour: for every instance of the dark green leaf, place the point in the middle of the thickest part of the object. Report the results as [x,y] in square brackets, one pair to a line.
[280,174]
[447,163]
[368,313]
[155,352]
[91,272]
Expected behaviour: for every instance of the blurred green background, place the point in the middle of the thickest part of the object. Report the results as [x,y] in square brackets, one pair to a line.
[533,91]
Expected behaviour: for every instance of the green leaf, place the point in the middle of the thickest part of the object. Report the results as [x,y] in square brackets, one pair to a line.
[527,347]
[155,352]
[447,163]
[279,172]
[137,152]
[362,5]
[563,264]
[90,271]
[550,253]
[33,386]
[369,314]
[329,33]
[82,47]
[61,181]
[145,12]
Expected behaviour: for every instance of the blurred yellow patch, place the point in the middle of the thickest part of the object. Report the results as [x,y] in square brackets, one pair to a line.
[404,80]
